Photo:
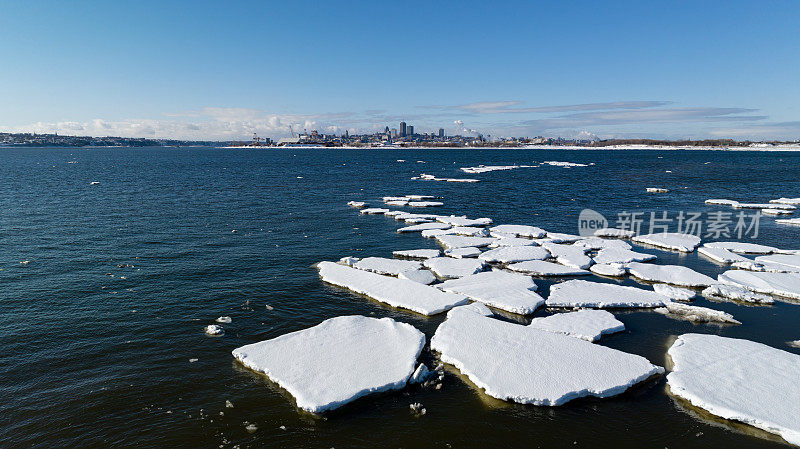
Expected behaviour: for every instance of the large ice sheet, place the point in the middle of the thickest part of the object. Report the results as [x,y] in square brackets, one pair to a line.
[696,314]
[570,255]
[588,325]
[423,227]
[615,255]
[739,380]
[520,230]
[464,221]
[544,268]
[401,293]
[780,284]
[790,261]
[531,366]
[669,274]
[381,265]
[450,268]
[792,201]
[580,293]
[459,241]
[670,240]
[417,253]
[507,291]
[721,254]
[338,360]
[742,247]
[512,254]
[736,293]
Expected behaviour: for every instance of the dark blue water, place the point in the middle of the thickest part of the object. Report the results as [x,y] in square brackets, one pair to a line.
[98,328]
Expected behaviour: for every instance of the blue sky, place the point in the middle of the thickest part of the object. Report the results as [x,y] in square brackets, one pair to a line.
[222,70]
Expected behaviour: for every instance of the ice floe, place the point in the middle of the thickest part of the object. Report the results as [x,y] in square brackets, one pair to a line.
[425,203]
[420,276]
[417,253]
[374,211]
[349,261]
[721,254]
[669,274]
[544,268]
[752,265]
[776,212]
[511,241]
[740,380]
[450,268]
[597,243]
[721,202]
[695,313]
[792,201]
[224,320]
[464,221]
[458,241]
[519,231]
[656,190]
[780,284]
[532,366]
[507,291]
[430,233]
[736,293]
[580,293]
[332,363]
[763,206]
[383,265]
[609,269]
[213,330]
[794,344]
[788,221]
[512,254]
[426,177]
[396,292]
[423,227]
[570,255]
[614,233]
[675,293]
[742,247]
[560,237]
[487,168]
[420,375]
[462,253]
[615,255]
[588,325]
[790,261]
[358,204]
[670,240]
[565,164]
[468,231]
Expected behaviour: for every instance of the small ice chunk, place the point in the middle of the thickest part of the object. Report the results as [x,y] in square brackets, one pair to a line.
[459,241]
[615,255]
[511,241]
[463,253]
[507,291]
[349,261]
[588,325]
[569,255]
[614,233]
[788,221]
[417,253]
[251,428]
[450,268]
[792,201]
[420,375]
[430,233]
[425,203]
[609,269]
[696,314]
[531,366]
[420,197]
[721,202]
[740,380]
[656,190]
[214,330]
[520,231]
[670,240]
[420,276]
[736,293]
[383,265]
[417,408]
[565,164]
[423,227]
[675,293]
[470,231]
[721,254]
[596,243]
[780,284]
[512,254]
[332,363]
[358,204]
[794,344]
[776,212]
[396,292]
[544,268]
[669,274]
[560,237]
[374,211]
[397,203]
[224,320]
[580,293]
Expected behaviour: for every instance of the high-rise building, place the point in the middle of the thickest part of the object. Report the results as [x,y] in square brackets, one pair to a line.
[410,130]
[394,133]
[402,129]
[441,132]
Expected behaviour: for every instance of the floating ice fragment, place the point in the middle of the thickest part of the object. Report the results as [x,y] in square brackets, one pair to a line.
[669,274]
[396,203]
[462,253]
[776,212]
[695,313]
[739,380]
[520,231]
[382,265]
[531,366]
[544,268]
[214,330]
[450,268]
[420,375]
[487,168]
[588,325]
[511,241]
[358,204]
[560,237]
[569,255]
[224,320]
[670,240]
[742,247]
[507,291]
[596,243]
[736,293]
[417,253]
[251,428]
[332,363]
[458,241]
[512,254]
[580,293]
[614,233]
[656,190]
[721,254]
[425,203]
[794,344]
[675,293]
[374,211]
[792,201]
[469,231]
[790,261]
[615,255]
[423,227]
[417,409]
[780,284]
[396,292]
[426,177]
[349,261]
[420,276]
[788,221]
[609,269]
[722,202]
[464,221]
[763,206]
[564,164]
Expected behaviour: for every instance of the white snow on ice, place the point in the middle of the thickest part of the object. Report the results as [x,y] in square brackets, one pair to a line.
[670,240]
[588,325]
[544,268]
[580,293]
[669,274]
[508,291]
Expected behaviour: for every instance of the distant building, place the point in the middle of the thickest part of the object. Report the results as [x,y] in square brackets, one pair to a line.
[410,130]
[441,132]
[394,133]
[403,129]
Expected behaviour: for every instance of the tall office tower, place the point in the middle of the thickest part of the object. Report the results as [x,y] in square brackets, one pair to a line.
[402,129]
[410,130]
[441,132]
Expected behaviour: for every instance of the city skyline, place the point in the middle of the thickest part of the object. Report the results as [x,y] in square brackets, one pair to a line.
[197,71]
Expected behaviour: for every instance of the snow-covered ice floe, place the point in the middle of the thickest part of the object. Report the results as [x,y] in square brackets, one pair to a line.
[512,254]
[532,366]
[615,255]
[463,253]
[396,292]
[736,293]
[560,237]
[721,202]
[358,204]
[763,206]
[740,380]
[426,177]
[458,241]
[669,274]
[776,212]
[423,227]
[675,293]
[487,168]
[450,268]
[597,243]
[788,221]
[420,276]
[614,233]
[332,363]
[214,330]
[792,201]
[695,313]
[507,291]
[721,254]
[417,253]
[570,255]
[464,221]
[587,325]
[470,231]
[670,240]
[511,241]
[780,284]
[743,247]
[565,164]
[609,269]
[752,265]
[580,293]
[544,268]
[382,265]
[791,262]
[656,190]
[519,231]
[374,211]
[425,203]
